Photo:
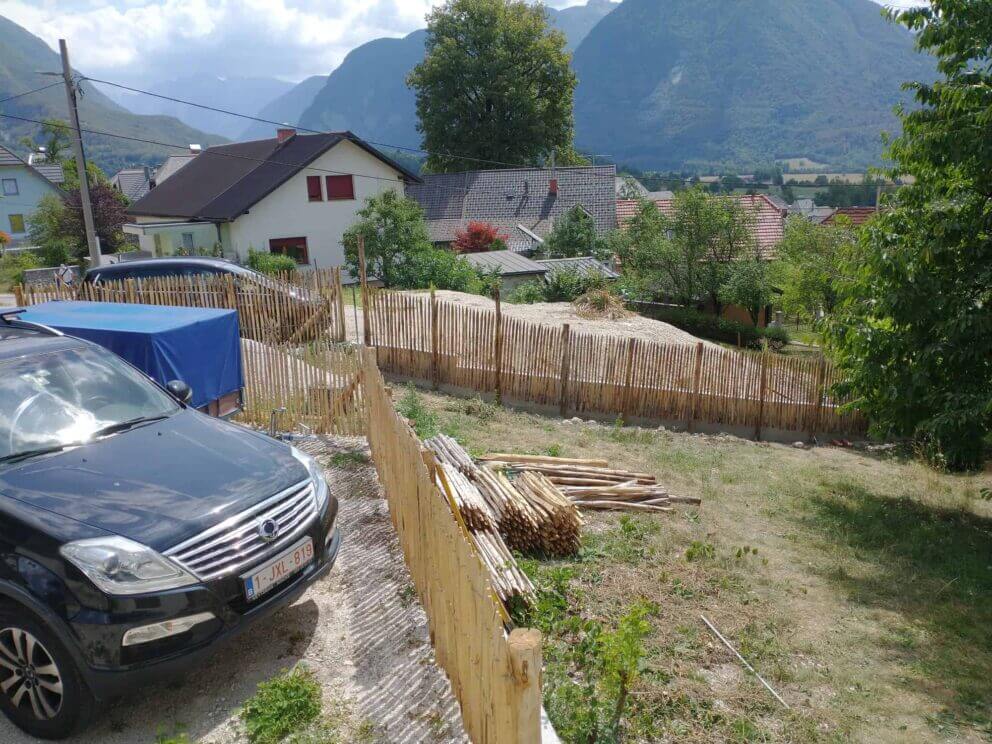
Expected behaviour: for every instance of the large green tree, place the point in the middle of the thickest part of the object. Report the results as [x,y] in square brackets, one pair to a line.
[574,234]
[809,265]
[914,330]
[495,87]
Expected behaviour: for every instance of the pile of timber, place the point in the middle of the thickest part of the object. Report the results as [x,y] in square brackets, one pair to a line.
[507,578]
[592,484]
[559,523]
[480,519]
[448,450]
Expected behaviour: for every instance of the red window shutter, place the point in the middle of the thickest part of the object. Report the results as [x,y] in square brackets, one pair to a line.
[340,187]
[313,189]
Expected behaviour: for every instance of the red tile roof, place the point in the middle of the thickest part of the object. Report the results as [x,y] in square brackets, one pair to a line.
[769,220]
[857,215]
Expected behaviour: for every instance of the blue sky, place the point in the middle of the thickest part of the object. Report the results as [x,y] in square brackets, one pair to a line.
[141,41]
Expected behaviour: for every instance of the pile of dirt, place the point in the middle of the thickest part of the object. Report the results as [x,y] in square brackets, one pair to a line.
[557,313]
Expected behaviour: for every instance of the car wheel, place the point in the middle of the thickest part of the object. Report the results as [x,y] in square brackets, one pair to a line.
[41,690]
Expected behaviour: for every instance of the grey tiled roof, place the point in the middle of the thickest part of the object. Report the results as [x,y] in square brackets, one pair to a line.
[52,171]
[519,195]
[132,182]
[445,231]
[508,263]
[9,158]
[49,171]
[582,265]
[171,165]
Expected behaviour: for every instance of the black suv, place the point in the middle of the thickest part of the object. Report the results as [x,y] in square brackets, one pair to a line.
[136,534]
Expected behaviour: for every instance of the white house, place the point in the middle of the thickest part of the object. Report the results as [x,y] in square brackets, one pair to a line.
[295,194]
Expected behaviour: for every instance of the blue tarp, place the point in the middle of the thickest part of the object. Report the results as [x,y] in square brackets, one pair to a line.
[199,346]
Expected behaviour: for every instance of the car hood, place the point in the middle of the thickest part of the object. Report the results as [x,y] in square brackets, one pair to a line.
[160,483]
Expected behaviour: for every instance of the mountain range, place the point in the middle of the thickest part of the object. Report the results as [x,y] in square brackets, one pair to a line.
[23,55]
[697,84]
[663,84]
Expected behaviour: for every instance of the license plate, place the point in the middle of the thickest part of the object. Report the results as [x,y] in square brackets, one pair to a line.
[279,569]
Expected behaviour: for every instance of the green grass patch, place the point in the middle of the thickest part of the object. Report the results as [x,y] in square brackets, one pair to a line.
[282,706]
[349,460]
[411,406]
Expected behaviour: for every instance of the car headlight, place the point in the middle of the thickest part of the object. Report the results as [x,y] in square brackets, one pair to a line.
[121,566]
[316,475]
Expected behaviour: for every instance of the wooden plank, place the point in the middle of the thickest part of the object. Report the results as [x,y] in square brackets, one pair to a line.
[566,359]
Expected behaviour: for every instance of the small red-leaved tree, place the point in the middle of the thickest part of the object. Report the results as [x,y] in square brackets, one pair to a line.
[479,237]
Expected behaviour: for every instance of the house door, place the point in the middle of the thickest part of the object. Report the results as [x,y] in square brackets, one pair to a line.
[295,248]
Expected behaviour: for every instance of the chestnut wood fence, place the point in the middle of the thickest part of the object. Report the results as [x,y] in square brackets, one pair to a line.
[419,336]
[495,675]
[293,306]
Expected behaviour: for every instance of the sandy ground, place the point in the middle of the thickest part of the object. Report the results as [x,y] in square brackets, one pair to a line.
[557,313]
[360,629]
[553,313]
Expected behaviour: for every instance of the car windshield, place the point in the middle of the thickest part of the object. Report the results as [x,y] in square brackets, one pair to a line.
[60,398]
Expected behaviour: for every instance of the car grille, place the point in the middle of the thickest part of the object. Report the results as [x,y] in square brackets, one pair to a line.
[235,544]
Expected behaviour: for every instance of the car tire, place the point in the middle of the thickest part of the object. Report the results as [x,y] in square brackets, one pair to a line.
[41,689]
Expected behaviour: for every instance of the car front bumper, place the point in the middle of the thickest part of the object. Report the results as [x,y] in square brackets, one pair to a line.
[192,648]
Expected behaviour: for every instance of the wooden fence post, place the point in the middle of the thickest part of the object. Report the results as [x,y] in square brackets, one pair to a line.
[342,332]
[435,342]
[566,361]
[818,390]
[498,350]
[19,295]
[230,293]
[762,389]
[363,278]
[697,375]
[525,663]
[628,379]
[130,291]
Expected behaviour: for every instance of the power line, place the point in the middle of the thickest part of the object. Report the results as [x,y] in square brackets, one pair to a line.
[29,92]
[307,129]
[214,151]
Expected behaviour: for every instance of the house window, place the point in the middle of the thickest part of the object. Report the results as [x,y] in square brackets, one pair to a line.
[16,223]
[10,187]
[313,189]
[340,187]
[188,241]
[295,248]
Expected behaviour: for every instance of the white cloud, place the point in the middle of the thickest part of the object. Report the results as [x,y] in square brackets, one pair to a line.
[141,41]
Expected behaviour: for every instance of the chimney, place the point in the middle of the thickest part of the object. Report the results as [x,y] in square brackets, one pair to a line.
[283,134]
[194,149]
[553,187]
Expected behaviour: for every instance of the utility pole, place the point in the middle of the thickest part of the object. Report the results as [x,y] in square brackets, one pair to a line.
[77,146]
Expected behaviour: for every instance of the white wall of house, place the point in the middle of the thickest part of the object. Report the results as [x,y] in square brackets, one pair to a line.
[287,212]
[171,239]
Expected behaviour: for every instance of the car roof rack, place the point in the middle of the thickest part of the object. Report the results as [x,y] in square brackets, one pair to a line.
[10,317]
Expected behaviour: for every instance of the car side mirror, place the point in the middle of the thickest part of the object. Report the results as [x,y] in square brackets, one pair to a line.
[180,390]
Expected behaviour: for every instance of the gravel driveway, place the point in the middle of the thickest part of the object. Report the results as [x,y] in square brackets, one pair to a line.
[360,629]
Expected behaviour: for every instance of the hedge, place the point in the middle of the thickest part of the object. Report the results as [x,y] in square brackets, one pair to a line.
[712,327]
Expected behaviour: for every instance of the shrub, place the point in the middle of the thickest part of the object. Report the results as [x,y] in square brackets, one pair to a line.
[57,252]
[711,327]
[600,303]
[13,266]
[281,706]
[270,263]
[527,293]
[436,267]
[777,336]
[479,237]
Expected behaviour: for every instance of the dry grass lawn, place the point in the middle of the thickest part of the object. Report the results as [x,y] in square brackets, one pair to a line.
[859,584]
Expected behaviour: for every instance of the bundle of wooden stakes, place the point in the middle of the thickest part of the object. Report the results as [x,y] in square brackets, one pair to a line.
[592,484]
[479,518]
